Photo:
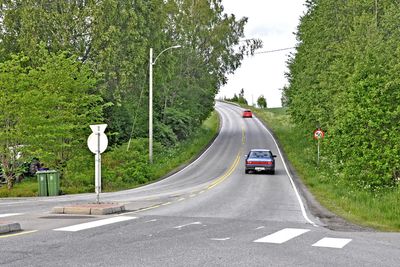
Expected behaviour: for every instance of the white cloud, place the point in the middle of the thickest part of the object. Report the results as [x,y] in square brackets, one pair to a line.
[274,22]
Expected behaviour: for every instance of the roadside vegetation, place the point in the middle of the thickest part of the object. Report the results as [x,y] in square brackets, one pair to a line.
[87,62]
[125,169]
[344,79]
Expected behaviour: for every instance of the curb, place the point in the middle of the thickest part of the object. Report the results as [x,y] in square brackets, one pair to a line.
[90,209]
[6,227]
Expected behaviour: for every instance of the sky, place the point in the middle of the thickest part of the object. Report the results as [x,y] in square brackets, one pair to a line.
[274,22]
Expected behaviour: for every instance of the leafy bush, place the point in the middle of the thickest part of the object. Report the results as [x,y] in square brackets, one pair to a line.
[122,167]
[78,175]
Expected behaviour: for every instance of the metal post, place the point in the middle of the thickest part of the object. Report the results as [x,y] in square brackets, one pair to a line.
[151,63]
[151,106]
[318,154]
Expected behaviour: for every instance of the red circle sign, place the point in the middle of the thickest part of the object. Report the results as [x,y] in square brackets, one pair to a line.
[319,134]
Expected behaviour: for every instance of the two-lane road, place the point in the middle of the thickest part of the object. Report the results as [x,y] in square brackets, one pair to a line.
[209,214]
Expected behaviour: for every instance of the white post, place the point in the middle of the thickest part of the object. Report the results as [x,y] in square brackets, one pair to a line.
[98,167]
[151,63]
[97,143]
[151,106]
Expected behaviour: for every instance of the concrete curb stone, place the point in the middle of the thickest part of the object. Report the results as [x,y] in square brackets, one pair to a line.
[90,209]
[7,227]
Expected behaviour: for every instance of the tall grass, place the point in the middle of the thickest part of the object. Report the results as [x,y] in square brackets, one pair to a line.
[28,188]
[377,209]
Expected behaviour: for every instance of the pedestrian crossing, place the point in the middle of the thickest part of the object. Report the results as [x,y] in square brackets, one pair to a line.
[282,236]
[328,242]
[287,234]
[279,237]
[93,224]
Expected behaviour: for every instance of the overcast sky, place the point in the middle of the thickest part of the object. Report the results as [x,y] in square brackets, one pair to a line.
[274,22]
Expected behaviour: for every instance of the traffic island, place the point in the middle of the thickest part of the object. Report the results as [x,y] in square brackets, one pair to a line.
[7,227]
[90,209]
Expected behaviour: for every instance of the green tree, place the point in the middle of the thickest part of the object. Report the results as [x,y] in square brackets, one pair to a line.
[262,102]
[342,77]
[45,110]
[241,98]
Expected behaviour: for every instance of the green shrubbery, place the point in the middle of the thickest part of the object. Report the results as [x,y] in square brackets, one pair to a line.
[344,78]
[124,168]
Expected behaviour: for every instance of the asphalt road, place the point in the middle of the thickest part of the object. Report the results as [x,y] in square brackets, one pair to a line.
[209,214]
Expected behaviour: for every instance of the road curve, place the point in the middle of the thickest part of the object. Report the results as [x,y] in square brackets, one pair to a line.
[209,214]
[240,195]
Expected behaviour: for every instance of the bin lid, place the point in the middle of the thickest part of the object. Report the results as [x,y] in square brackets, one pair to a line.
[47,171]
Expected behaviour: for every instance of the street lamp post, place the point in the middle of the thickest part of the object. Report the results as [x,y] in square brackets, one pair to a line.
[151,63]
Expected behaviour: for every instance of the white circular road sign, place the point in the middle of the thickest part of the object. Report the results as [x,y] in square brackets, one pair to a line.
[93,144]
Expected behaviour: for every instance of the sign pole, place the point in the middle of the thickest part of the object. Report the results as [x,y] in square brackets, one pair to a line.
[98,168]
[318,134]
[318,153]
[97,143]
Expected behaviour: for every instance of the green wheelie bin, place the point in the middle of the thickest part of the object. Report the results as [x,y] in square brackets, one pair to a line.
[48,182]
[53,183]
[42,183]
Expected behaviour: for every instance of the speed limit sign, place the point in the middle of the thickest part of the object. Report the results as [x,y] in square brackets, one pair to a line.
[319,134]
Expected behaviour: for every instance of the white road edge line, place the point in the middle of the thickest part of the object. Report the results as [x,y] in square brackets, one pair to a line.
[282,236]
[88,225]
[328,242]
[303,210]
[200,156]
[9,214]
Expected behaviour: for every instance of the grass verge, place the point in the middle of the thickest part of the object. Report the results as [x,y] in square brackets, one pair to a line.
[27,188]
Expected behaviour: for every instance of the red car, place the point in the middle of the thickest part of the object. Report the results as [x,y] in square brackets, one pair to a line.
[247,114]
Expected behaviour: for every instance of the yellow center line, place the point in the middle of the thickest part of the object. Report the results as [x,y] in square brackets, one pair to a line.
[140,210]
[214,183]
[20,233]
[243,135]
[228,173]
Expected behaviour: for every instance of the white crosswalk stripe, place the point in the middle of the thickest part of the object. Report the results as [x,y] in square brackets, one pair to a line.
[84,226]
[9,214]
[282,236]
[287,234]
[328,242]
